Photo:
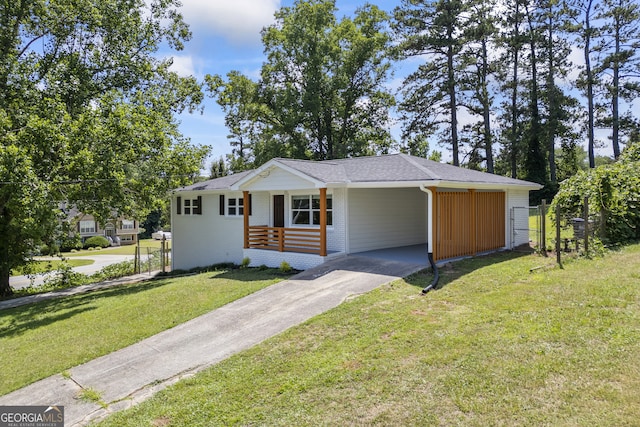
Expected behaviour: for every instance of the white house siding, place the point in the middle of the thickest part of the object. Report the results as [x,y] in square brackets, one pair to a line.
[207,239]
[386,218]
[262,214]
[277,179]
[518,218]
[298,261]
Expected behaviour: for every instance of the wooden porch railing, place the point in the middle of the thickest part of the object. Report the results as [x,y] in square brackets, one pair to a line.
[282,239]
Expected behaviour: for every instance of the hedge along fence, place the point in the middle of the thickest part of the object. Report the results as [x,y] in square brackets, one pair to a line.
[613,192]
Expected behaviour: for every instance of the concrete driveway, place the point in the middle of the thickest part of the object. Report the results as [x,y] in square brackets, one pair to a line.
[132,374]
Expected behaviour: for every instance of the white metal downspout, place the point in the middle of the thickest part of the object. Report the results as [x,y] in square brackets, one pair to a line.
[429,217]
[436,274]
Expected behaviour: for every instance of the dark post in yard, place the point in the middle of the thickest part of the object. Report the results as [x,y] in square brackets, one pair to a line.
[558,256]
[586,226]
[543,225]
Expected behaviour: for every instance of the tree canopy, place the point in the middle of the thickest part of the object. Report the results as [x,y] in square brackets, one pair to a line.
[321,92]
[87,115]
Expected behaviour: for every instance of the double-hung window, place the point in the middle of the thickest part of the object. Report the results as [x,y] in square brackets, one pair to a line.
[189,206]
[235,206]
[87,227]
[305,210]
[127,224]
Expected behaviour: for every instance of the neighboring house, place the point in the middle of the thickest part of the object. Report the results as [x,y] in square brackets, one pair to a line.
[304,212]
[119,231]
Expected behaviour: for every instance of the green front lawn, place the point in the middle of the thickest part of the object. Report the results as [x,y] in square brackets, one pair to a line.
[119,250]
[498,345]
[46,338]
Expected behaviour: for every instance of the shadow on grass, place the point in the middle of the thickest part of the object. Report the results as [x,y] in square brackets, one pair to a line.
[47,312]
[251,274]
[454,270]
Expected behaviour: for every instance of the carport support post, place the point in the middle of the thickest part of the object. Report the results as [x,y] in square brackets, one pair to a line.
[247,208]
[323,222]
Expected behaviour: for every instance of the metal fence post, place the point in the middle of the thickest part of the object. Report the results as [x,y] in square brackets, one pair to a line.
[543,220]
[162,244]
[558,256]
[586,226]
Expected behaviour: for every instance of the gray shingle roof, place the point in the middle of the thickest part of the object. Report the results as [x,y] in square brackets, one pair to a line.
[375,169]
[222,183]
[393,168]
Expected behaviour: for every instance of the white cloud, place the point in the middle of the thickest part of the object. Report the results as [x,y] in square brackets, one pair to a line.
[239,21]
[183,65]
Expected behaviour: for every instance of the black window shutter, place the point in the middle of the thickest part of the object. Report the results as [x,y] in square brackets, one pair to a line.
[250,203]
[199,208]
[179,205]
[222,204]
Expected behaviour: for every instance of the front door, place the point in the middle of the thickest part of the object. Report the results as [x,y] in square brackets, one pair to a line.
[278,210]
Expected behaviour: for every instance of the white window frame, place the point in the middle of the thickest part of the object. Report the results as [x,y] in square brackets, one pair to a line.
[310,209]
[84,229]
[128,224]
[234,207]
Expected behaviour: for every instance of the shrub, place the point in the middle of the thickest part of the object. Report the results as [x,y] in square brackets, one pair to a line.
[246,261]
[96,241]
[285,267]
[614,197]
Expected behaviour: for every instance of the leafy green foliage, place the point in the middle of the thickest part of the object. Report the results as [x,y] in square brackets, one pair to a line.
[321,93]
[87,118]
[614,197]
[96,241]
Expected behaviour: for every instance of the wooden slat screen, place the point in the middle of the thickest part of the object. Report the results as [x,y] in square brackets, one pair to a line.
[468,222]
[490,217]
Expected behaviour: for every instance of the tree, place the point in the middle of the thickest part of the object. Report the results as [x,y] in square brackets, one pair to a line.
[87,116]
[321,94]
[218,169]
[583,14]
[434,30]
[512,41]
[620,41]
[534,164]
[481,34]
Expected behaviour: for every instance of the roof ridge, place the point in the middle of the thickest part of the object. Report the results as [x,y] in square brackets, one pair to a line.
[412,160]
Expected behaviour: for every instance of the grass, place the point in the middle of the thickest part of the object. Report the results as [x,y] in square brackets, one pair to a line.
[49,337]
[566,231]
[119,250]
[38,267]
[498,345]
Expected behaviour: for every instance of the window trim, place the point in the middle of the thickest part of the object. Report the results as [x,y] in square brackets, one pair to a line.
[188,206]
[85,230]
[236,203]
[310,210]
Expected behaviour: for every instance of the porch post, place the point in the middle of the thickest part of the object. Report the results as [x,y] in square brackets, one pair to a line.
[434,222]
[247,207]
[474,222]
[323,222]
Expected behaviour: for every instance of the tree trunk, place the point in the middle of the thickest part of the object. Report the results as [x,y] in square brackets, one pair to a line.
[5,288]
[488,143]
[589,71]
[552,125]
[453,105]
[514,97]
[615,112]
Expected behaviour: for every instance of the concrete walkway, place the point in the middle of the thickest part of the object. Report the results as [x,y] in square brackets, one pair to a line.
[130,375]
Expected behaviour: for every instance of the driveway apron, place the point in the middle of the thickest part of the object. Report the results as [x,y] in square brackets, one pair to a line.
[132,374]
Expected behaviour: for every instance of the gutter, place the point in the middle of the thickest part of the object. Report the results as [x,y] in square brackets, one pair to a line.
[434,267]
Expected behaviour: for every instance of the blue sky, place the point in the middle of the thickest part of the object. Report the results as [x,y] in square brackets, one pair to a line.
[226,36]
